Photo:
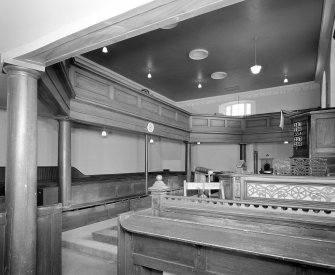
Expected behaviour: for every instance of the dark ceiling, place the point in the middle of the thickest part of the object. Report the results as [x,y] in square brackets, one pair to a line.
[287,37]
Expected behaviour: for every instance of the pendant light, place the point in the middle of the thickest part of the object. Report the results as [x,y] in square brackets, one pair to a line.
[285,79]
[256,68]
[199,85]
[104,50]
[149,74]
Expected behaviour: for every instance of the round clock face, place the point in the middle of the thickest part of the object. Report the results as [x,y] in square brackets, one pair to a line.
[150,127]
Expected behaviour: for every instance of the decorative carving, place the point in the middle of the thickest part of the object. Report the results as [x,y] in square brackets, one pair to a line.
[300,166]
[222,205]
[291,192]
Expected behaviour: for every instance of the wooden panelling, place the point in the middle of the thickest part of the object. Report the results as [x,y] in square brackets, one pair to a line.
[227,262]
[87,113]
[152,247]
[168,113]
[251,123]
[90,87]
[191,237]
[216,137]
[83,216]
[234,123]
[199,122]
[2,241]
[103,99]
[150,106]
[122,96]
[251,129]
[49,240]
[217,123]
[322,137]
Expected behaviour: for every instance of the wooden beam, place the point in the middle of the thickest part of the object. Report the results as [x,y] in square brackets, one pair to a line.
[143,19]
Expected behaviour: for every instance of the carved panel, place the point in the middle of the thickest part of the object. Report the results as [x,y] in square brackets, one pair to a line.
[217,123]
[199,122]
[250,123]
[291,192]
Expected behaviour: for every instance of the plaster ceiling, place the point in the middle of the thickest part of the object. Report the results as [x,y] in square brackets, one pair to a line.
[287,37]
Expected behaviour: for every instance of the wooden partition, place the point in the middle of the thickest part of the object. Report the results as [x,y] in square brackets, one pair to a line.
[2,240]
[49,240]
[187,235]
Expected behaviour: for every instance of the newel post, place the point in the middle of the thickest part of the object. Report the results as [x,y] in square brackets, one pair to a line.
[158,190]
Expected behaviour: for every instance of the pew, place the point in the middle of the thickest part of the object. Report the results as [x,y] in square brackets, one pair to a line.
[190,235]
[90,190]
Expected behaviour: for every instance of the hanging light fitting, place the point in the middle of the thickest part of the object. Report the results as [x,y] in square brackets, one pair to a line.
[256,68]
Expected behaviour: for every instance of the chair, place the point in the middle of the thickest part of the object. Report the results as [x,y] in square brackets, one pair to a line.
[204,186]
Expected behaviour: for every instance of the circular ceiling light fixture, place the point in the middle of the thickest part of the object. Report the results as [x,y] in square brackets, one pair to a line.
[219,75]
[198,54]
[170,26]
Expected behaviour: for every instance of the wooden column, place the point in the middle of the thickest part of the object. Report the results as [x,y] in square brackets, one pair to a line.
[188,161]
[243,151]
[64,162]
[146,163]
[21,170]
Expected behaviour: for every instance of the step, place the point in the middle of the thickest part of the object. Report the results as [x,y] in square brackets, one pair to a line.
[108,235]
[81,240]
[93,248]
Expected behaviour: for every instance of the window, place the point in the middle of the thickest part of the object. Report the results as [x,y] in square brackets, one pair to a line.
[243,108]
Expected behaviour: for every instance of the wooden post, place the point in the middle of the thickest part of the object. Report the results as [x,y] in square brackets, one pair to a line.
[158,189]
[146,163]
[64,162]
[243,151]
[188,161]
[21,170]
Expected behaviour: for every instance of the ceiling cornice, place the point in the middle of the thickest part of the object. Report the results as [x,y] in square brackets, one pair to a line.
[280,90]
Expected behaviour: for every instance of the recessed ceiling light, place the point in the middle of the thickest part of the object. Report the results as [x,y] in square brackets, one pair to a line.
[218,75]
[198,54]
[170,26]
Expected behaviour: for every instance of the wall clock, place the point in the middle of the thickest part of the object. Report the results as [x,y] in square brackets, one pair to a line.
[150,127]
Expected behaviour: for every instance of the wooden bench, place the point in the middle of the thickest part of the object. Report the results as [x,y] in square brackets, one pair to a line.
[188,235]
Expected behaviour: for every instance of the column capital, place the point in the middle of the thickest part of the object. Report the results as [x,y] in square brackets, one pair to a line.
[10,69]
[63,118]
